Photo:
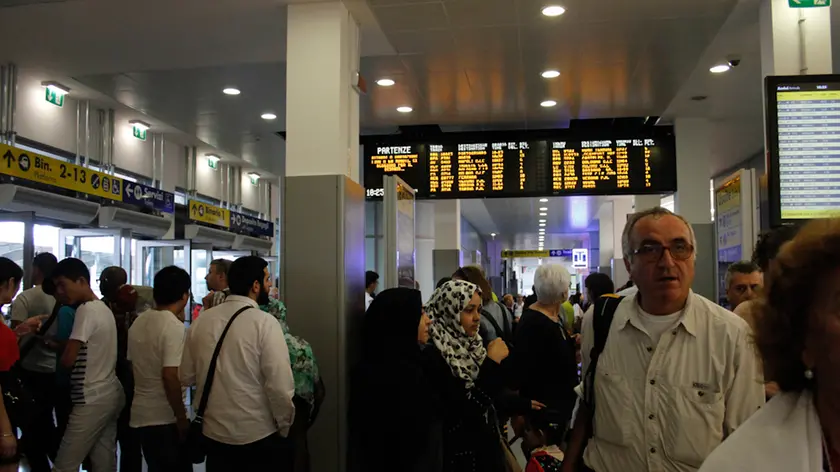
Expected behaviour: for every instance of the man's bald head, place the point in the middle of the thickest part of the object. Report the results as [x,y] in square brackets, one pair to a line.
[111,279]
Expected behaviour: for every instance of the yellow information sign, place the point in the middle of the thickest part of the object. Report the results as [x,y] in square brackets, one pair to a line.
[210,214]
[514,254]
[46,170]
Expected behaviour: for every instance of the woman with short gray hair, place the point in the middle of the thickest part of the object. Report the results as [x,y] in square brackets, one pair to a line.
[544,353]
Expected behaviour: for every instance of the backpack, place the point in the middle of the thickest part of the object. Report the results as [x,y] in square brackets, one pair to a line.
[602,318]
[505,334]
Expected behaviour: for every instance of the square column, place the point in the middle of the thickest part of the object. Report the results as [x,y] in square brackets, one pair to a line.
[794,41]
[646,202]
[447,256]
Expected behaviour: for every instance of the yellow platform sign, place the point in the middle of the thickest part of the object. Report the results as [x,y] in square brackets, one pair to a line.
[210,214]
[46,170]
[514,254]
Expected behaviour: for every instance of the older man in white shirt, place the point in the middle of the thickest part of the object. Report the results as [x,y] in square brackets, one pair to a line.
[249,410]
[677,374]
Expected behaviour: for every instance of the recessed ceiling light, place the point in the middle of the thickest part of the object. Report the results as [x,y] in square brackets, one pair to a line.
[542,238]
[542,225]
[543,200]
[550,74]
[231,91]
[543,208]
[548,103]
[268,116]
[719,69]
[405,109]
[542,221]
[553,10]
[543,214]
[492,235]
[385,82]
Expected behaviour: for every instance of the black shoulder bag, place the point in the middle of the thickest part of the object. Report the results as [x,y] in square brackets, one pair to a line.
[195,444]
[603,315]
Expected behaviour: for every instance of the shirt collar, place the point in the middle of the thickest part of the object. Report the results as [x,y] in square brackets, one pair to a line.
[688,320]
[241,299]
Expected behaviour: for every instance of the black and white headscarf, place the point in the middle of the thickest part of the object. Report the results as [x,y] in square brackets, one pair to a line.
[463,353]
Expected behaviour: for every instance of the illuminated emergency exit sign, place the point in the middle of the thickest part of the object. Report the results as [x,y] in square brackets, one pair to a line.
[55,97]
[809,3]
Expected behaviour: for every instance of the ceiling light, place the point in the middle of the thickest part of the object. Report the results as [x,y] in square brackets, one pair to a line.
[385,82]
[719,69]
[543,208]
[405,109]
[548,103]
[550,74]
[543,200]
[253,175]
[268,116]
[553,10]
[542,221]
[56,87]
[542,225]
[212,157]
[542,238]
[141,125]
[231,91]
[543,214]
[542,230]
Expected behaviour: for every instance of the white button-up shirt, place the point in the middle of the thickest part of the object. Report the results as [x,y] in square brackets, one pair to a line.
[251,395]
[664,408]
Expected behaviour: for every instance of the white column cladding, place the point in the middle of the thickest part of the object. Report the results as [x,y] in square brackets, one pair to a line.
[794,41]
[322,109]
[692,199]
[646,202]
[622,206]
[606,247]
[448,224]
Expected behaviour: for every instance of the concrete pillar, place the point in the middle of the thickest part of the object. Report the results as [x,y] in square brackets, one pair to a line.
[794,41]
[646,202]
[447,254]
[323,210]
[692,200]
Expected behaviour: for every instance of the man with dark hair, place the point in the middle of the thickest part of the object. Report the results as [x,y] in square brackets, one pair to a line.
[38,363]
[250,409]
[217,283]
[743,282]
[91,353]
[155,346]
[371,284]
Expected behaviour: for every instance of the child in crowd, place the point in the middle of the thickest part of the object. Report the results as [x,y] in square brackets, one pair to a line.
[543,434]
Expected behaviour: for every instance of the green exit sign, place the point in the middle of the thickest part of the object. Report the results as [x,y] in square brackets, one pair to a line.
[54,96]
[213,163]
[809,3]
[140,133]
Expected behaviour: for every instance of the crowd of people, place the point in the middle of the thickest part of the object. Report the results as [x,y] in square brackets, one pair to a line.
[81,376]
[668,380]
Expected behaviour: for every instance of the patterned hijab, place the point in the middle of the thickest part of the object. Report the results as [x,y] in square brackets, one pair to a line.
[463,353]
[304,365]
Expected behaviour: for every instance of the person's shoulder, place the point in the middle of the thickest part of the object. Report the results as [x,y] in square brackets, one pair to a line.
[94,307]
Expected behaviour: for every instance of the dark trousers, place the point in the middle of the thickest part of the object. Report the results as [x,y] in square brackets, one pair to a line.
[40,440]
[131,457]
[163,449]
[271,453]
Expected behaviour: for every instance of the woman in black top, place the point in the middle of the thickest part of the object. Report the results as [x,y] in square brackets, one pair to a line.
[466,378]
[545,352]
[393,415]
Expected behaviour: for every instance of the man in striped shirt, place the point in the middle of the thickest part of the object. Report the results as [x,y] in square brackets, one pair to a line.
[91,354]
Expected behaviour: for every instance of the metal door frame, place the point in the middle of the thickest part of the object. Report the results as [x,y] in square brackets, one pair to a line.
[78,233]
[28,253]
[161,243]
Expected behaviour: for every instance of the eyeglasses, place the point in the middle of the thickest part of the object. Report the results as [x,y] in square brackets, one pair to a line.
[653,252]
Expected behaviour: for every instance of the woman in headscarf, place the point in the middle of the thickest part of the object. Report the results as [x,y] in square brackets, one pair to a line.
[393,417]
[467,378]
[309,388]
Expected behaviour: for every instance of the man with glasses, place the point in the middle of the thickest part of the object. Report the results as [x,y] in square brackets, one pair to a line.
[677,374]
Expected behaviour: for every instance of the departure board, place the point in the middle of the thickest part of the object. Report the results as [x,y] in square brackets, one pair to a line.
[805,132]
[466,167]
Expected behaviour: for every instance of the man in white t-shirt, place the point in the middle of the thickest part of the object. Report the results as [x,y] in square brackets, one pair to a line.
[155,346]
[91,353]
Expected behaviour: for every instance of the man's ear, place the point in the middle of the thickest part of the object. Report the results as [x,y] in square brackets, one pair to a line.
[627,264]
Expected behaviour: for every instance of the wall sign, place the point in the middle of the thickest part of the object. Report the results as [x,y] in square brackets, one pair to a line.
[143,195]
[540,253]
[248,225]
[580,258]
[728,219]
[210,214]
[46,170]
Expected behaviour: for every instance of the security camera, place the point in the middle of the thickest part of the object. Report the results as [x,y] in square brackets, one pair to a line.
[734,61]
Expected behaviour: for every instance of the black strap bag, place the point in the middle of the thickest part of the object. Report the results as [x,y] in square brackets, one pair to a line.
[195,445]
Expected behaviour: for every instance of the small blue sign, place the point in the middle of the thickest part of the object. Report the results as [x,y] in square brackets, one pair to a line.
[143,195]
[248,225]
[560,253]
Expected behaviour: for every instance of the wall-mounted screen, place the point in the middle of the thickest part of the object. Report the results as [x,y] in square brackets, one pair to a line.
[803,134]
[525,164]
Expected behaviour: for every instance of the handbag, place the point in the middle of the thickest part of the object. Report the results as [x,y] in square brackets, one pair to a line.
[195,445]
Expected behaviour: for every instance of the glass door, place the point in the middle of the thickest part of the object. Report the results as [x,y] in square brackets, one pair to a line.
[97,248]
[201,256]
[152,256]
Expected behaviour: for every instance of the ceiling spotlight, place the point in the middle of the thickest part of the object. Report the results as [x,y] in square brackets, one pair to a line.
[231,91]
[141,125]
[719,69]
[543,214]
[543,200]
[212,157]
[550,74]
[542,221]
[385,82]
[492,235]
[542,225]
[553,10]
[56,87]
[405,109]
[548,103]
[543,208]
[542,238]
[268,116]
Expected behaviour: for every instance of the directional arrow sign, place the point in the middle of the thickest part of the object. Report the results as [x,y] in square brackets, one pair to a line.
[809,3]
[9,158]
